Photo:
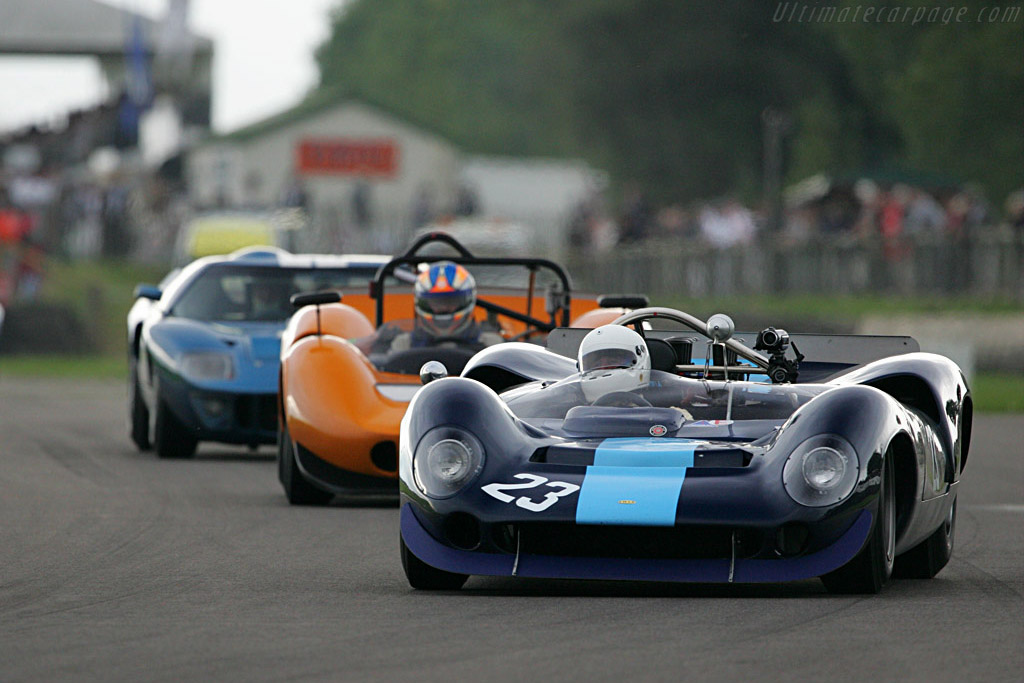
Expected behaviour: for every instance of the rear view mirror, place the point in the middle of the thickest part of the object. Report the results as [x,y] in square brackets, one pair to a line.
[315,299]
[151,292]
[622,301]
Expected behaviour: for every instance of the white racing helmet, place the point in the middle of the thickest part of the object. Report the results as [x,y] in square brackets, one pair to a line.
[613,358]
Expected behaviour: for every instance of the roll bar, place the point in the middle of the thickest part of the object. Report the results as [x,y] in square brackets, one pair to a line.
[412,257]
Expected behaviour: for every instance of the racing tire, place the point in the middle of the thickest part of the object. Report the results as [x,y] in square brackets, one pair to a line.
[927,558]
[296,488]
[871,569]
[424,577]
[138,416]
[172,440]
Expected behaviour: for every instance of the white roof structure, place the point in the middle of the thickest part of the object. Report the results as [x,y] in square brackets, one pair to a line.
[72,27]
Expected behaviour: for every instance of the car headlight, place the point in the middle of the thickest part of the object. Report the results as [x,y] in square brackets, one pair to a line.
[822,471]
[207,365]
[446,459]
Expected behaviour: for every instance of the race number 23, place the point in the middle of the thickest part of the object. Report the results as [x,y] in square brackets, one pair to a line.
[562,488]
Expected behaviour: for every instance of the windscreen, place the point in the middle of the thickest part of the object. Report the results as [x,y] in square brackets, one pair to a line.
[254,293]
[695,399]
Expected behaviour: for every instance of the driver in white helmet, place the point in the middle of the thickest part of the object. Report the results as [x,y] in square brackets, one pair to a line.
[613,360]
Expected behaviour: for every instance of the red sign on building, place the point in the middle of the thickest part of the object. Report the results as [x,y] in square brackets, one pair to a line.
[318,156]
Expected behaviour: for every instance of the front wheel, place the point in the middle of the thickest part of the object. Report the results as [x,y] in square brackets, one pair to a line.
[173,440]
[872,567]
[296,488]
[927,558]
[424,577]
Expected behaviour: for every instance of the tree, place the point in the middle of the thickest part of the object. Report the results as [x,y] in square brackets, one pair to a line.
[669,94]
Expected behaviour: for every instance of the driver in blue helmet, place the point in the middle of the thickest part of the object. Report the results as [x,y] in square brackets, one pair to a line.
[444,297]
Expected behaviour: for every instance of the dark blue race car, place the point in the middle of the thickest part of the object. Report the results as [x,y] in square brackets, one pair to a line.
[843,463]
[204,347]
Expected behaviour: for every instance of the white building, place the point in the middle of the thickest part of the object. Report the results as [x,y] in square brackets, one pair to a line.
[370,178]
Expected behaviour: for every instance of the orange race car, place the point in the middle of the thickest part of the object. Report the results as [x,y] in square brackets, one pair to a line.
[345,383]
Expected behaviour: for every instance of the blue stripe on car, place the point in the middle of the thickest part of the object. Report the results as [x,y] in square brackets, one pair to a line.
[741,361]
[635,482]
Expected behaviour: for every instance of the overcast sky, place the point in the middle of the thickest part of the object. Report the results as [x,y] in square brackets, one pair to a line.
[263,62]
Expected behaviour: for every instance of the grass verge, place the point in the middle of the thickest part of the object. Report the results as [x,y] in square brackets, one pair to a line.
[65,367]
[998,393]
[101,294]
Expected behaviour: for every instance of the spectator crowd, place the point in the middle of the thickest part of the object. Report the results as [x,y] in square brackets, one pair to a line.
[895,214]
[79,191]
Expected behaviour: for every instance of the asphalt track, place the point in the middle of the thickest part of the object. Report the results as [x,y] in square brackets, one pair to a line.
[117,566]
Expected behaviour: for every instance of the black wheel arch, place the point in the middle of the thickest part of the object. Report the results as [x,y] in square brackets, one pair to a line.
[913,391]
[966,424]
[901,449]
[136,341]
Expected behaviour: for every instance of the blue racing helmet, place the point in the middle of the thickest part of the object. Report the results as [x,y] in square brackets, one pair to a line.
[444,295]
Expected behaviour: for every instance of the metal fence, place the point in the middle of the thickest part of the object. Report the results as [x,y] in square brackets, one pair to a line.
[988,265]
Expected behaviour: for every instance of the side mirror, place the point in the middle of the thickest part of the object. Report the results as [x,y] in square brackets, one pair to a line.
[315,299]
[151,292]
[432,370]
[721,327]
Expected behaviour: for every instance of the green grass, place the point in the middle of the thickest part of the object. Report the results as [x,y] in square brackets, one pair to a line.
[998,393]
[100,293]
[66,367]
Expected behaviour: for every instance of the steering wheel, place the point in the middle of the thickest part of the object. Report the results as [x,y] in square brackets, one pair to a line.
[623,399]
[636,319]
[434,341]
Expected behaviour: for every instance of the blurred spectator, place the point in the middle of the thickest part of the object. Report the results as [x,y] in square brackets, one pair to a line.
[579,226]
[295,195]
[957,208]
[924,215]
[466,202]
[890,222]
[14,223]
[836,215]
[422,206]
[672,222]
[800,224]
[869,199]
[1015,211]
[740,220]
[636,216]
[253,190]
[117,238]
[14,226]
[30,268]
[980,212]
[727,225]
[590,230]
[85,230]
[361,213]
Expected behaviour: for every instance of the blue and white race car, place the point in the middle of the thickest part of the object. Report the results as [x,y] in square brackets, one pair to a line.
[204,348]
[643,460]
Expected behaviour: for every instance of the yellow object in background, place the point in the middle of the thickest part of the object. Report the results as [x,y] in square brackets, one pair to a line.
[225,234]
